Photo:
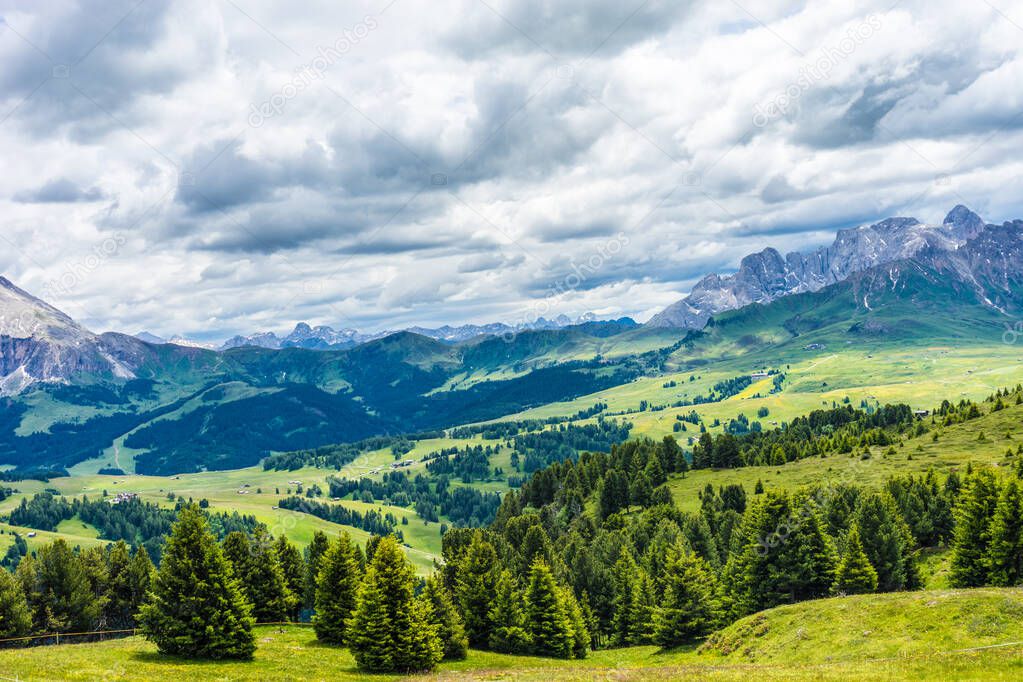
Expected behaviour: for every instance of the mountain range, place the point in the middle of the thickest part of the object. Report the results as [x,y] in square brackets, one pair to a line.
[767,276]
[39,343]
[327,338]
[68,394]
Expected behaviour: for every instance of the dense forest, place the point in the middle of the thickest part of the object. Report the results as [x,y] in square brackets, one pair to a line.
[136,522]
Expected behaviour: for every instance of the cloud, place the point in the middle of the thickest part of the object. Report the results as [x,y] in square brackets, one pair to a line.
[460,161]
[59,191]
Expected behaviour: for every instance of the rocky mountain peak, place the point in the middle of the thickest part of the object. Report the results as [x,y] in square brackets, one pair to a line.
[765,276]
[964,223]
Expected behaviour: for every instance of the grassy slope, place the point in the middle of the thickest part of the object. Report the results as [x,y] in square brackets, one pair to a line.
[222,488]
[921,375]
[957,446]
[873,626]
[917,636]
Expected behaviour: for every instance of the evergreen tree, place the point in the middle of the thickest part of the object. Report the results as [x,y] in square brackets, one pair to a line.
[535,545]
[444,616]
[614,493]
[548,622]
[263,580]
[814,555]
[15,620]
[690,607]
[237,550]
[1005,553]
[475,580]
[633,599]
[313,556]
[26,574]
[887,541]
[197,608]
[580,625]
[293,568]
[390,630]
[643,602]
[63,596]
[780,556]
[130,578]
[973,514]
[94,563]
[854,575]
[336,590]
[509,634]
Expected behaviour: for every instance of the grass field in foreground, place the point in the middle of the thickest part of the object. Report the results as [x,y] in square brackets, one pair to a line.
[902,636]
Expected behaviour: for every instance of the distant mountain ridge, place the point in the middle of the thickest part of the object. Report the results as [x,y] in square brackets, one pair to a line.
[766,276]
[327,338]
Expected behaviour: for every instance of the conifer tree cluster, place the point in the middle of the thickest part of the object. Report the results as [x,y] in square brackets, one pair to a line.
[636,573]
[987,546]
[63,589]
[197,607]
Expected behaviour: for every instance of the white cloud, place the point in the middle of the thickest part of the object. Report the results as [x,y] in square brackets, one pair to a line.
[431,162]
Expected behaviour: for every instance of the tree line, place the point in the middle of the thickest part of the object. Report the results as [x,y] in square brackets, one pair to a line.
[132,520]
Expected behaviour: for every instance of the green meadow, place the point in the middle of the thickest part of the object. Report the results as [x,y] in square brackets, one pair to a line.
[932,635]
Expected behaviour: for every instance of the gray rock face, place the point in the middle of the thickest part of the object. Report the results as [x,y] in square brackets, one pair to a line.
[40,343]
[766,276]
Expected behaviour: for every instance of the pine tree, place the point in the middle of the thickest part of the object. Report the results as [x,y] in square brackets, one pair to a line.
[15,620]
[293,568]
[641,616]
[580,626]
[509,634]
[313,556]
[854,575]
[624,574]
[336,590]
[535,545]
[130,578]
[814,555]
[197,608]
[547,619]
[390,630]
[887,541]
[94,563]
[973,514]
[263,580]
[26,574]
[237,551]
[1005,553]
[475,580]
[633,598]
[63,596]
[689,607]
[613,493]
[444,616]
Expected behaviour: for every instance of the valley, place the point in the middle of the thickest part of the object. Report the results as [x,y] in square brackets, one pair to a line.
[427,439]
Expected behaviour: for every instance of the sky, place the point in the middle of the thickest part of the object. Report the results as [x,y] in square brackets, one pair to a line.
[215,167]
